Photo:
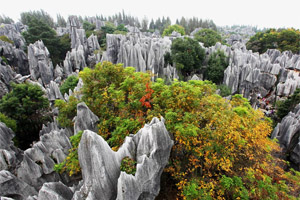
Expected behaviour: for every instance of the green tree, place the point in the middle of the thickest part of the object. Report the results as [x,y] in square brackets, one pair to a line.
[41,15]
[69,83]
[208,37]
[187,54]
[6,20]
[284,107]
[217,63]
[171,28]
[8,122]
[87,26]
[281,39]
[38,30]
[27,105]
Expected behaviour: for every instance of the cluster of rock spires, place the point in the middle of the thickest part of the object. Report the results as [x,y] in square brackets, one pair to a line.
[273,74]
[30,175]
[142,52]
[288,134]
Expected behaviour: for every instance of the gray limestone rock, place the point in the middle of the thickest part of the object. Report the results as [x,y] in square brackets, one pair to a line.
[9,154]
[15,57]
[288,134]
[55,191]
[150,147]
[85,119]
[53,92]
[38,162]
[11,186]
[40,65]
[139,51]
[13,32]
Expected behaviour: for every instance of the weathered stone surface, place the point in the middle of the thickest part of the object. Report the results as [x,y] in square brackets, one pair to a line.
[85,119]
[15,57]
[288,134]
[11,186]
[55,191]
[53,92]
[269,73]
[150,147]
[38,162]
[40,65]
[75,60]
[9,154]
[13,32]
[143,53]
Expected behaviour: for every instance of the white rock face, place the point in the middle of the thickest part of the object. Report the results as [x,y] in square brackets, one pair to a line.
[139,51]
[288,134]
[271,72]
[40,65]
[102,178]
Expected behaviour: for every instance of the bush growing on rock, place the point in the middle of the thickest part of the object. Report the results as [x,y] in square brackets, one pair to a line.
[69,84]
[10,123]
[6,39]
[222,149]
[169,30]
[283,40]
[217,63]
[208,37]
[288,105]
[27,105]
[187,55]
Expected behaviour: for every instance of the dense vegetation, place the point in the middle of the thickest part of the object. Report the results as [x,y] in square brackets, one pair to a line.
[69,84]
[187,55]
[169,30]
[216,65]
[38,30]
[29,108]
[284,107]
[6,39]
[208,37]
[222,149]
[281,39]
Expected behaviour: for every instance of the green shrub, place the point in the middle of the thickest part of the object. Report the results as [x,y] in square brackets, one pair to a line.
[6,39]
[10,123]
[69,83]
[288,105]
[224,90]
[128,165]
[169,30]
[67,111]
[27,105]
[208,37]
[217,63]
[71,164]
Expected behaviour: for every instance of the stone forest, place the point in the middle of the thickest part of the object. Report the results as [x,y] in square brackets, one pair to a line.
[103,108]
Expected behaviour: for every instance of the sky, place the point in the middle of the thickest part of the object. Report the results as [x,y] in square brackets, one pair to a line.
[260,13]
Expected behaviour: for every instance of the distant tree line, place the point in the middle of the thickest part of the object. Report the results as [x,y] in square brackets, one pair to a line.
[281,39]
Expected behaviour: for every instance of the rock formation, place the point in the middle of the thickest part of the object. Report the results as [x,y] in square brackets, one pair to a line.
[13,32]
[288,134]
[102,178]
[40,65]
[143,53]
[85,119]
[272,74]
[15,57]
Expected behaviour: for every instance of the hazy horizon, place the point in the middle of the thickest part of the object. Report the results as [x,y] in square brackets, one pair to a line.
[263,14]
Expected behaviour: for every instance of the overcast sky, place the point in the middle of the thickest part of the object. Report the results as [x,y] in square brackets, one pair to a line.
[263,13]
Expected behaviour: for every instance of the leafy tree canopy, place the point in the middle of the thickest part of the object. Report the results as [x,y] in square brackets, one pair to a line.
[41,15]
[217,63]
[69,83]
[221,148]
[187,55]
[169,30]
[208,37]
[57,46]
[281,39]
[27,105]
